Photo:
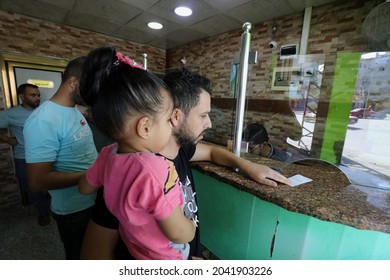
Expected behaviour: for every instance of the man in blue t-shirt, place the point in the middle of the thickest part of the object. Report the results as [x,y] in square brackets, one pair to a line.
[59,148]
[14,119]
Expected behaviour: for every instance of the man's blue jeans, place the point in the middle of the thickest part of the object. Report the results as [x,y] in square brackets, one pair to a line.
[39,199]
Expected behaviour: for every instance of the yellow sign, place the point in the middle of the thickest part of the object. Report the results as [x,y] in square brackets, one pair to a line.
[41,83]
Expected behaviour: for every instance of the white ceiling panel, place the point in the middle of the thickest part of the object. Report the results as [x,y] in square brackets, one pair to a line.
[127,19]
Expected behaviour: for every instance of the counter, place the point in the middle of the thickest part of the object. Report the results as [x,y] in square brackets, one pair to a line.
[328,212]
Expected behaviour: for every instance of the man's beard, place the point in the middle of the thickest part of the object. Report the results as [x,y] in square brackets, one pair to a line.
[184,136]
[33,105]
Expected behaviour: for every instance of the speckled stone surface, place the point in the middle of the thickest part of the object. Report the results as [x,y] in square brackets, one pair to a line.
[329,197]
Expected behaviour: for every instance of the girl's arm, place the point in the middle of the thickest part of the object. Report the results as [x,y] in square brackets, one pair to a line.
[85,187]
[177,228]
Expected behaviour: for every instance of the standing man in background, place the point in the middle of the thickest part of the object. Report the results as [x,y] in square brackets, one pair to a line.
[14,120]
[59,148]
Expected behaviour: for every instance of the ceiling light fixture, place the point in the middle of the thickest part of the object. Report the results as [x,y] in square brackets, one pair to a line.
[183,11]
[155,25]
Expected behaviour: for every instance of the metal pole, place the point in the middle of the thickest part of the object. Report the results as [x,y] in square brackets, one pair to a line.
[145,61]
[240,105]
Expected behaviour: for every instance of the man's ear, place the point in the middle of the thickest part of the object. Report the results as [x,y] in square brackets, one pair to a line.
[21,96]
[176,117]
[73,82]
[143,127]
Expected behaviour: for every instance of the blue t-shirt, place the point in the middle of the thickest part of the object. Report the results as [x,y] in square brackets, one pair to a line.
[59,134]
[14,119]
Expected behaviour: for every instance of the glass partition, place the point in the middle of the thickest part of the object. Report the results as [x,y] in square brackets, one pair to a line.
[333,108]
[365,156]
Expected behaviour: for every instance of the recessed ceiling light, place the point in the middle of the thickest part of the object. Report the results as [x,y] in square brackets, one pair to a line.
[155,25]
[183,11]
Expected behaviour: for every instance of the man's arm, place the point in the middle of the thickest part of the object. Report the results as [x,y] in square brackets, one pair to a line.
[9,140]
[41,176]
[260,173]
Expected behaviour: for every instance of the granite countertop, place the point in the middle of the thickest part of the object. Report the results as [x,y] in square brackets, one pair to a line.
[329,197]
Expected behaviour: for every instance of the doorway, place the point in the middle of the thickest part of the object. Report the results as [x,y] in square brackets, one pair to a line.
[46,73]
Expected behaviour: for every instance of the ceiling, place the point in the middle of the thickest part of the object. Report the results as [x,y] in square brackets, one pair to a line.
[127,19]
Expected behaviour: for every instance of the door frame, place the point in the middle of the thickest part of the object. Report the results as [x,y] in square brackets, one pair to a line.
[9,61]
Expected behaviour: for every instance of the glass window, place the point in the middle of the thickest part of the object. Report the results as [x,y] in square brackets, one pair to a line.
[366,152]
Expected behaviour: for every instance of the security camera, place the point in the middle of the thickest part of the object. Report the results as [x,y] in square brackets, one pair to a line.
[273,44]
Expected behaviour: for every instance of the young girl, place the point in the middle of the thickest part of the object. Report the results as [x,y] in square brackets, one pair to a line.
[133,107]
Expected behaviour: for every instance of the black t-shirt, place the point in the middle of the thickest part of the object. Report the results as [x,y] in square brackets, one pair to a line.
[103,217]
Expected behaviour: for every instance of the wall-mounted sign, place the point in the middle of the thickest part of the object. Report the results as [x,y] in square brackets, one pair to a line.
[41,83]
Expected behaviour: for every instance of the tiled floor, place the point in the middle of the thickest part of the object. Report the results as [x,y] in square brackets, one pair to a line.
[21,238]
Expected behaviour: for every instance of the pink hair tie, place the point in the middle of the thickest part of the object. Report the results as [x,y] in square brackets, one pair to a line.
[126,60]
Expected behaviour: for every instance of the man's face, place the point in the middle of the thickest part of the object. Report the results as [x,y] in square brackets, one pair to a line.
[195,123]
[31,97]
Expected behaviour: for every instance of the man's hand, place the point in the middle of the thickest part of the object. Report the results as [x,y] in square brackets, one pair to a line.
[264,174]
[12,141]
[9,140]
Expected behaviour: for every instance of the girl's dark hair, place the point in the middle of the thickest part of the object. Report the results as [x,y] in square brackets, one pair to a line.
[115,90]
[185,87]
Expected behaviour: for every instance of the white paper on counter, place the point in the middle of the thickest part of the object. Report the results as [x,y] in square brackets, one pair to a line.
[298,179]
